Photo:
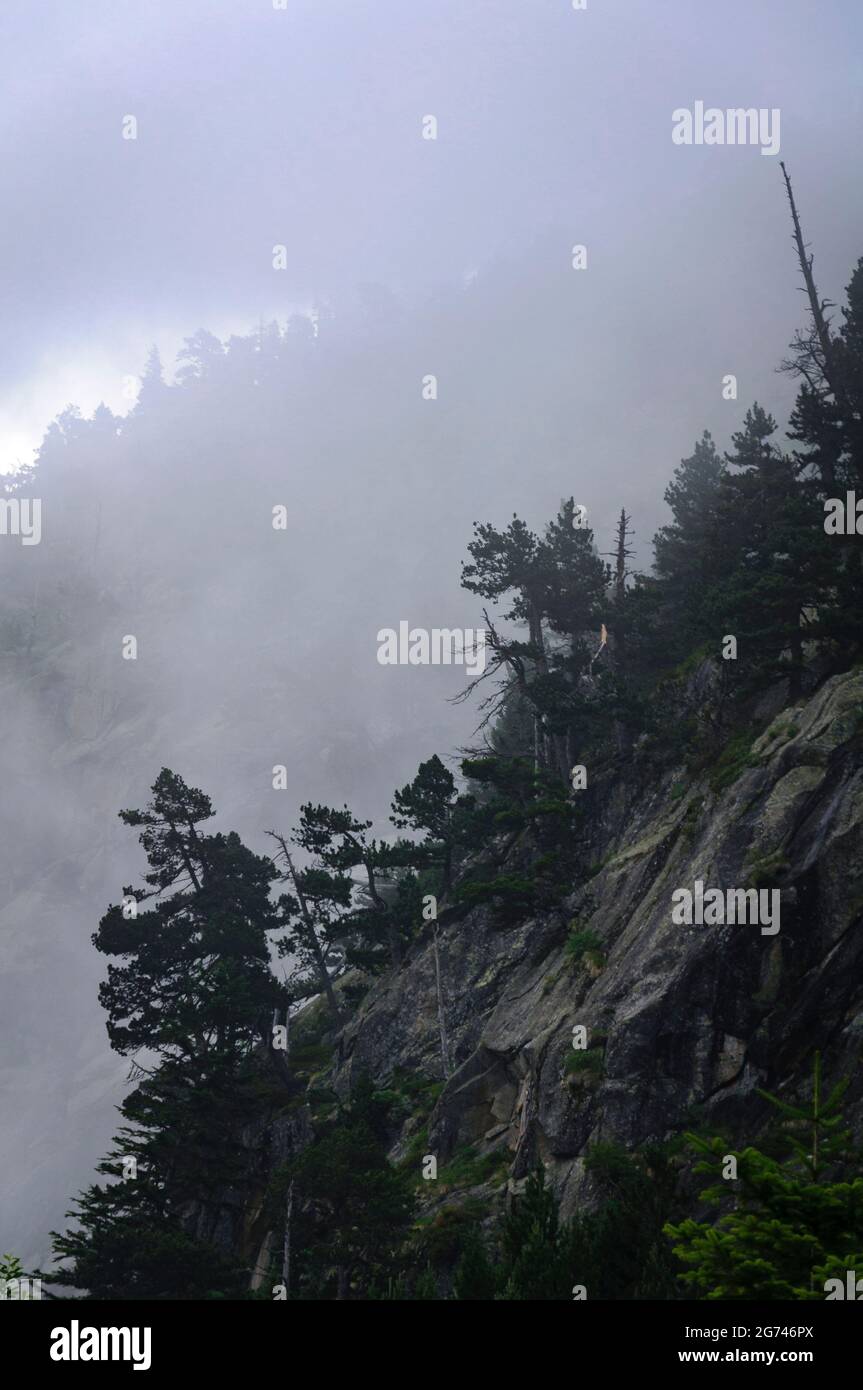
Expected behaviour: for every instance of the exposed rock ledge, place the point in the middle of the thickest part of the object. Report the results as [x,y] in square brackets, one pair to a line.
[692,1016]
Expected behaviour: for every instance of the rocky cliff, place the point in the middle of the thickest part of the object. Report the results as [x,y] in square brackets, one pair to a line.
[682,1020]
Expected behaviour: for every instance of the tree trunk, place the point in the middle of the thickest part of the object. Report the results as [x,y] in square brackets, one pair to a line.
[441,1019]
[557,742]
[447,867]
[393,943]
[795,679]
[621,554]
[286,1247]
[311,934]
[822,331]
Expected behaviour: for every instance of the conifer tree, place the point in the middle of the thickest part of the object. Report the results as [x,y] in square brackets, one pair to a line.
[555,587]
[430,803]
[776,556]
[536,1247]
[687,551]
[312,911]
[196,992]
[827,422]
[795,1216]
[371,928]
[196,980]
[476,1279]
[354,1206]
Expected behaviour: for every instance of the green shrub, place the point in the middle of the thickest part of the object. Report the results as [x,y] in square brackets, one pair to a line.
[442,1239]
[310,1057]
[690,820]
[765,870]
[735,758]
[583,944]
[467,1168]
[588,1061]
[416,1149]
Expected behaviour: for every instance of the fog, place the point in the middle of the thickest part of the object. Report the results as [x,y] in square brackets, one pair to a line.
[404,258]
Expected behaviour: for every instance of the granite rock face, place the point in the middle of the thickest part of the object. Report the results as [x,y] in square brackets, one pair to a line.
[680,1019]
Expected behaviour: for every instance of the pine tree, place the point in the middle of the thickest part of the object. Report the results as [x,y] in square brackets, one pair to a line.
[476,1279]
[153,390]
[620,1249]
[827,422]
[536,1248]
[197,993]
[779,565]
[196,982]
[312,912]
[430,803]
[687,553]
[370,924]
[793,1219]
[555,588]
[507,565]
[355,1207]
[524,822]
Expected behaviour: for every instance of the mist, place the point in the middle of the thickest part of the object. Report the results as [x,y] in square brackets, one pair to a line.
[306,387]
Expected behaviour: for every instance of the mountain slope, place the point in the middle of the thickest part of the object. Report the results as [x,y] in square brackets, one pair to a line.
[692,1016]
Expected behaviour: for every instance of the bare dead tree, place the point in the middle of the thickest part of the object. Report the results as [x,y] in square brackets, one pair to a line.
[621,553]
[814,352]
[817,306]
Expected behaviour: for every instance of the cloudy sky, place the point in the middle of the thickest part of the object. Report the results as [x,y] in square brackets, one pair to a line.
[302,126]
